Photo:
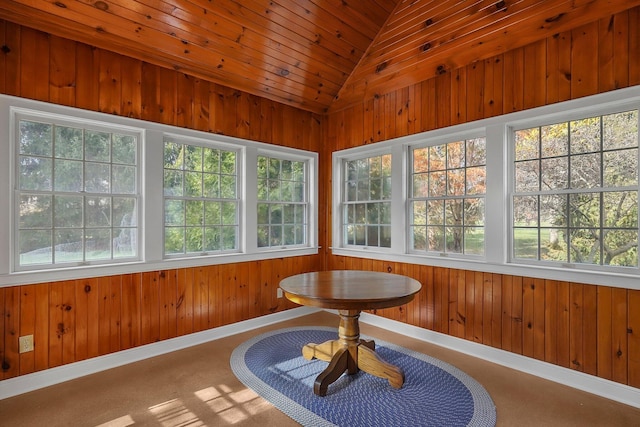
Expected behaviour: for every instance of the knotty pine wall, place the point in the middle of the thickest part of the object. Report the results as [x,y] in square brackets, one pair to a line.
[592,329]
[79,319]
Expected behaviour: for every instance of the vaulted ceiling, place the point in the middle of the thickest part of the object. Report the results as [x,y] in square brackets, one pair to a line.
[317,55]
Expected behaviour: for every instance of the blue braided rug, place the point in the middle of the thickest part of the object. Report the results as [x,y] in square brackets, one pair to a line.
[434,393]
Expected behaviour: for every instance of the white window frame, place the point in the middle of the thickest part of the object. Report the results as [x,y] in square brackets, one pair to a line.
[499,178]
[151,221]
[20,114]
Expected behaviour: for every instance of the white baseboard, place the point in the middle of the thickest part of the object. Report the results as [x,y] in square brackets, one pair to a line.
[25,383]
[579,380]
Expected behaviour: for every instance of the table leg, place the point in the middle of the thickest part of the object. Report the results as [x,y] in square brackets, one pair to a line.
[349,354]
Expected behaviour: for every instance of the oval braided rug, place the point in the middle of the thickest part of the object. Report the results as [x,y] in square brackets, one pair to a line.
[434,393]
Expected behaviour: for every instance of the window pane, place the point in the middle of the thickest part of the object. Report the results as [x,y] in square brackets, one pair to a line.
[621,248]
[455,154]
[527,144]
[474,240]
[436,239]
[69,143]
[97,146]
[35,212]
[584,246]
[173,155]
[97,244]
[525,243]
[553,244]
[35,139]
[527,174]
[585,171]
[173,183]
[554,173]
[173,240]
[35,173]
[124,149]
[555,140]
[35,247]
[525,211]
[620,209]
[69,245]
[585,135]
[69,211]
[97,211]
[620,168]
[193,158]
[97,177]
[124,179]
[620,130]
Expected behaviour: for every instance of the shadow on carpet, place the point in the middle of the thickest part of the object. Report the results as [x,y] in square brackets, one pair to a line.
[434,393]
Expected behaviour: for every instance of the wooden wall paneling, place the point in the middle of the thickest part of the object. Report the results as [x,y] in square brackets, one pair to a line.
[130,311]
[4,363]
[354,125]
[87,321]
[150,307]
[427,108]
[634,46]
[493,86]
[443,102]
[389,130]
[104,313]
[5,49]
[226,298]
[56,324]
[486,293]
[255,111]
[427,299]
[535,78]
[11,57]
[68,309]
[11,359]
[459,95]
[184,100]
[414,108]
[266,118]
[633,331]
[620,58]
[558,67]
[62,71]
[213,307]
[539,326]
[475,91]
[590,327]
[496,310]
[551,321]
[470,305]
[514,85]
[378,118]
[254,289]
[243,116]
[27,313]
[242,290]
[606,79]
[402,112]
[517,320]
[507,308]
[457,298]
[564,325]
[110,86]
[168,285]
[584,67]
[41,329]
[184,304]
[267,300]
[200,299]
[478,308]
[576,333]
[130,88]
[201,103]
[87,77]
[441,299]
[34,47]
[620,335]
[603,332]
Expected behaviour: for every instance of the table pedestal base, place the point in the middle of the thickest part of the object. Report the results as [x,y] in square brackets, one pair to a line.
[349,354]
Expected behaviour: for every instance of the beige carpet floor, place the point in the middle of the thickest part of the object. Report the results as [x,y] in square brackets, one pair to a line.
[196,387]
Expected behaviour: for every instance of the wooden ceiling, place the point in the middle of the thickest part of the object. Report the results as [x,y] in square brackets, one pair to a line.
[317,55]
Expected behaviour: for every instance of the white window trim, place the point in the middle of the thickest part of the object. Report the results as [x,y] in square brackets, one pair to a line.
[151,251]
[498,181]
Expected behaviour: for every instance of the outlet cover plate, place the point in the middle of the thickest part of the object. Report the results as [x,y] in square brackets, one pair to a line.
[26,343]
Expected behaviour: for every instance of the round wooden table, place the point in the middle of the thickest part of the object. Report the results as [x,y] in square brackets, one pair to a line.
[350,292]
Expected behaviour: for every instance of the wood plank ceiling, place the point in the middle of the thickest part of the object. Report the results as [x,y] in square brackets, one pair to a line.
[317,55]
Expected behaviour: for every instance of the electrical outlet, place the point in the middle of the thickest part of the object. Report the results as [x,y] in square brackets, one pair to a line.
[26,343]
[279,293]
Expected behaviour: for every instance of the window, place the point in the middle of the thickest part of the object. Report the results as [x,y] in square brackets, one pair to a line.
[282,202]
[200,199]
[366,211]
[93,194]
[575,194]
[77,194]
[550,192]
[447,187]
